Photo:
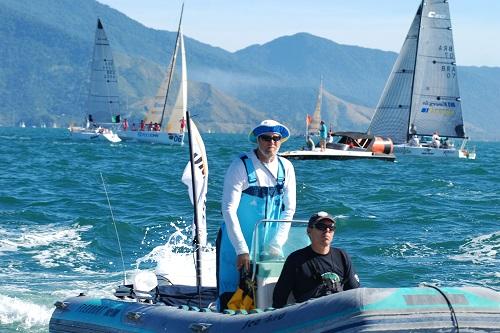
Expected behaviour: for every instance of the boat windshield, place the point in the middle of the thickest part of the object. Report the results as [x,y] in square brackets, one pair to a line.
[274,240]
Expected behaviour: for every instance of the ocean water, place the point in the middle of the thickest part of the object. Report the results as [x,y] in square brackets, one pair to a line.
[412,221]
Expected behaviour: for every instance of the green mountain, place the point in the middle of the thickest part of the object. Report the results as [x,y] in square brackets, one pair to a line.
[46,49]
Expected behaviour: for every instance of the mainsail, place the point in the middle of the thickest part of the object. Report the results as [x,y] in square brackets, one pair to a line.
[172,120]
[314,123]
[422,89]
[103,103]
[178,114]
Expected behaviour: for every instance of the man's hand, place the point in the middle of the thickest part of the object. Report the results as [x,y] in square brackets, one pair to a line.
[243,260]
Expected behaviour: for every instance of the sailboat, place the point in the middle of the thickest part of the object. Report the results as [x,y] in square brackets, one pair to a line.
[103,116]
[421,97]
[342,145]
[164,124]
[313,123]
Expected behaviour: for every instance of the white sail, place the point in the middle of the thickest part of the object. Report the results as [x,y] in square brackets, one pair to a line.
[176,120]
[154,114]
[313,127]
[436,104]
[422,89]
[103,101]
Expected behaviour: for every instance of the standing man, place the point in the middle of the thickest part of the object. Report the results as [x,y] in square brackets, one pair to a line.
[257,185]
[322,135]
[318,269]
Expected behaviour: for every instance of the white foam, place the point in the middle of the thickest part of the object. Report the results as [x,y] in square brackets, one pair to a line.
[480,250]
[24,314]
[176,260]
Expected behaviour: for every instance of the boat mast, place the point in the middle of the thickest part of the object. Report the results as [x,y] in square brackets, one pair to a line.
[196,240]
[172,62]
[421,9]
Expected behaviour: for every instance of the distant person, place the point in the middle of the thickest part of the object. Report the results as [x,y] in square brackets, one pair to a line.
[183,124]
[134,128]
[414,141]
[318,269]
[125,124]
[258,185]
[322,135]
[142,125]
[436,140]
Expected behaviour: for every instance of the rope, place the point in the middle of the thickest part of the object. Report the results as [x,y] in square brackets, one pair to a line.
[450,306]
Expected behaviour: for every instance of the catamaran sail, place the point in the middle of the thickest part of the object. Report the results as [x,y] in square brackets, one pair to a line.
[103,101]
[422,95]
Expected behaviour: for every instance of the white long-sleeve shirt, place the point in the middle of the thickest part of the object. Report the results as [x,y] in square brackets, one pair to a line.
[236,181]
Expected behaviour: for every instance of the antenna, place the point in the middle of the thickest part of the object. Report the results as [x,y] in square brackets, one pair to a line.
[116,230]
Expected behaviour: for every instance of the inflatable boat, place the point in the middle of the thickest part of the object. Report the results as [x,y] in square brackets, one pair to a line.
[165,307]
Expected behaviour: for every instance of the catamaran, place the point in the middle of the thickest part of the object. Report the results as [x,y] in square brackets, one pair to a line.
[103,116]
[421,98]
[164,124]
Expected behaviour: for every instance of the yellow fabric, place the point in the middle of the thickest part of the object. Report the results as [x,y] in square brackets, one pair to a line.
[240,301]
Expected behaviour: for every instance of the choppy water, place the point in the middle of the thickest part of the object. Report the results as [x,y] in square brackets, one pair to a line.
[416,220]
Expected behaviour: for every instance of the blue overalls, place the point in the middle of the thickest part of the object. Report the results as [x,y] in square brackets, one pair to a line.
[256,203]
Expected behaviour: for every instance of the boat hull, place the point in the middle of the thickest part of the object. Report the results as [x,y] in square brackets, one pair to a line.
[335,154]
[470,309]
[80,133]
[153,137]
[405,149]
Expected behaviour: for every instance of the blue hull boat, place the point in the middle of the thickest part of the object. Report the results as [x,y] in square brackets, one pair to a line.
[419,309]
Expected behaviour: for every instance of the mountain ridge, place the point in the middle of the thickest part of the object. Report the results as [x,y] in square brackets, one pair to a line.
[47,46]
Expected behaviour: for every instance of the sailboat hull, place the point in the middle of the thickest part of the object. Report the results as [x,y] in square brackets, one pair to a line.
[405,149]
[153,137]
[335,154]
[470,309]
[80,133]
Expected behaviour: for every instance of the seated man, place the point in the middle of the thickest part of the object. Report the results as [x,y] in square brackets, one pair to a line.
[318,269]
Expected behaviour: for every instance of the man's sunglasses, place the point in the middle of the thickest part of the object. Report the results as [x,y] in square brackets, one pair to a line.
[323,226]
[269,138]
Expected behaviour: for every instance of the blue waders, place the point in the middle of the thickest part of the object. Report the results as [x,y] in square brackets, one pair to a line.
[256,203]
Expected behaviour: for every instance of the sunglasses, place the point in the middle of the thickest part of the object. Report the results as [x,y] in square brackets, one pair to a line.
[324,226]
[269,138]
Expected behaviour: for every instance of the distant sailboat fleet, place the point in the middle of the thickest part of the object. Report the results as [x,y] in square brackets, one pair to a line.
[419,110]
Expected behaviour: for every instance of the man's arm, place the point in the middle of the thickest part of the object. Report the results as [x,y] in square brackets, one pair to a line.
[234,182]
[284,285]
[351,279]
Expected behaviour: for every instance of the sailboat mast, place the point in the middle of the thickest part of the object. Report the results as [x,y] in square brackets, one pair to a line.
[196,240]
[172,62]
[421,10]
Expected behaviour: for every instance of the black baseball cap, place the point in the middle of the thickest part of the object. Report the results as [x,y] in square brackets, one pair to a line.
[320,216]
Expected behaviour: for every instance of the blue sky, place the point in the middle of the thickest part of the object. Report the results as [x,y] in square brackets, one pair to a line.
[380,24]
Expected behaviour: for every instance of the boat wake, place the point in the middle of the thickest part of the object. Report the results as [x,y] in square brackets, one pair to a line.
[482,249]
[23,315]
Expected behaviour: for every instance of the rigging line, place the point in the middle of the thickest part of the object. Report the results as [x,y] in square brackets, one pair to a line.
[116,230]
[450,306]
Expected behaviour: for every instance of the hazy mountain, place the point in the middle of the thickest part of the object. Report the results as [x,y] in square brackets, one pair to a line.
[47,47]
